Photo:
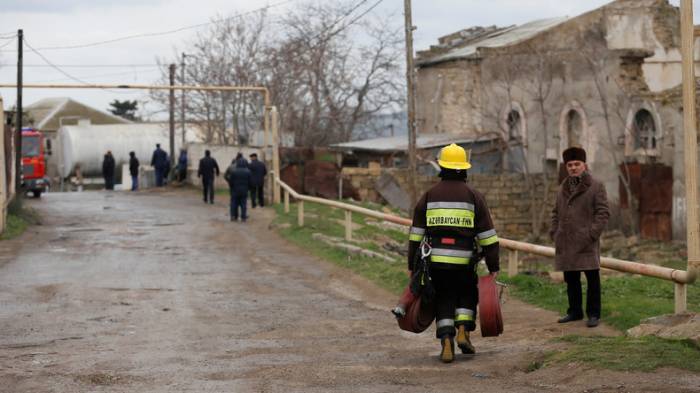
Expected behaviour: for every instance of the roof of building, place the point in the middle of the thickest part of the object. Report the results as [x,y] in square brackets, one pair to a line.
[400,143]
[498,38]
[48,112]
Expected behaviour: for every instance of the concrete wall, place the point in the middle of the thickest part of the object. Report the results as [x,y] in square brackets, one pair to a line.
[223,156]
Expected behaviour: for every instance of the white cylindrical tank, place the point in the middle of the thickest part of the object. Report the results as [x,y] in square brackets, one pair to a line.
[86,145]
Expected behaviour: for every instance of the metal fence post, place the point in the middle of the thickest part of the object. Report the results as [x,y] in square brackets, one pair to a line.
[300,211]
[286,201]
[348,225]
[512,263]
[681,298]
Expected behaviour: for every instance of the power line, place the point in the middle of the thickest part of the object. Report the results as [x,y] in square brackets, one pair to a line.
[95,76]
[61,71]
[162,32]
[333,33]
[8,43]
[89,65]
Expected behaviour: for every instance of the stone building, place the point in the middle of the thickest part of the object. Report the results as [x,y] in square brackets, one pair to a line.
[607,80]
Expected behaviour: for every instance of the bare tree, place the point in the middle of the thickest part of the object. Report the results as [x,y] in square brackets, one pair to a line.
[328,68]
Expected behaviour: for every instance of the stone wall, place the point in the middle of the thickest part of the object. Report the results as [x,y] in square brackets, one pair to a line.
[507,196]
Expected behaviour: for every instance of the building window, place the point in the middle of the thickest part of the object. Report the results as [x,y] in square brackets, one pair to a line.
[644,131]
[574,128]
[514,124]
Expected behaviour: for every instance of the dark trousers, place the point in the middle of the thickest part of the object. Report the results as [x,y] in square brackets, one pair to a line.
[134,182]
[159,177]
[208,189]
[109,182]
[239,202]
[573,290]
[454,289]
[256,194]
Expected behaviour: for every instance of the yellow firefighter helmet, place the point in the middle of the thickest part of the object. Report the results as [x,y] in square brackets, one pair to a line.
[453,157]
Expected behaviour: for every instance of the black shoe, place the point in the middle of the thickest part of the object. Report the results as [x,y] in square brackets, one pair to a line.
[569,318]
[211,202]
[592,322]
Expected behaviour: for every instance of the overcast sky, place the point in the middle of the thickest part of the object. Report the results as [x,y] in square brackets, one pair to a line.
[51,23]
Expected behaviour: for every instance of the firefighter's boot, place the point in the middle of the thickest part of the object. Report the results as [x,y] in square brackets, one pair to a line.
[463,341]
[447,355]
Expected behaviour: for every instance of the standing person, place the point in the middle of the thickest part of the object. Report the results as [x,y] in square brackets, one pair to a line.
[208,168]
[134,170]
[108,170]
[182,166]
[166,170]
[257,180]
[238,177]
[453,221]
[159,161]
[578,219]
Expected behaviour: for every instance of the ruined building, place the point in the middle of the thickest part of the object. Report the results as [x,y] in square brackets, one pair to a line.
[608,80]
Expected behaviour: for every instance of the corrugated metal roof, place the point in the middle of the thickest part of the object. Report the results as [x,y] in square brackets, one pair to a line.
[501,38]
[400,143]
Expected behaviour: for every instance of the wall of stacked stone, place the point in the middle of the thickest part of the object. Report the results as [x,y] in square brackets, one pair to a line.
[507,196]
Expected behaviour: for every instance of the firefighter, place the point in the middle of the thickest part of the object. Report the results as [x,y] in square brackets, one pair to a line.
[453,223]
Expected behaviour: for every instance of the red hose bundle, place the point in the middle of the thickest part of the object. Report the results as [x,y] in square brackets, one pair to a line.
[418,317]
[490,318]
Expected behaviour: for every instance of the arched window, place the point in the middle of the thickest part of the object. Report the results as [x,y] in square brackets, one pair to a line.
[574,128]
[514,124]
[644,130]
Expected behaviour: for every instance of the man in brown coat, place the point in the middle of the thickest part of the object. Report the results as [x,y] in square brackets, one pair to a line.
[578,219]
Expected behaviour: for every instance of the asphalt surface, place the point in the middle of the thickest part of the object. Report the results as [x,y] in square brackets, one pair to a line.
[159,292]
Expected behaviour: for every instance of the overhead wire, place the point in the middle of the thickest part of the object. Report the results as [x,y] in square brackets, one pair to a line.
[156,34]
[69,76]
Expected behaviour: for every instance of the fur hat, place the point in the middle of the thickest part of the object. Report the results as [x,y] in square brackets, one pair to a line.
[574,154]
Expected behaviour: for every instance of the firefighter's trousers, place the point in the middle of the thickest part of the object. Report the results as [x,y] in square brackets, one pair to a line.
[456,297]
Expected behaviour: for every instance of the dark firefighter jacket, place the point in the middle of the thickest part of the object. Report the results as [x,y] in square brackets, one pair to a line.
[134,166]
[238,177]
[207,168]
[455,218]
[159,159]
[108,166]
[257,173]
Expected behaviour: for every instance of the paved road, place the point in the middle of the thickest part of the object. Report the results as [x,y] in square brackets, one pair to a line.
[158,292]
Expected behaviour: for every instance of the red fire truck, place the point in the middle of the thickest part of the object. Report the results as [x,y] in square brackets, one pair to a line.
[33,162]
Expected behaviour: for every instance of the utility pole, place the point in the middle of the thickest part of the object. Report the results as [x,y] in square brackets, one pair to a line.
[690,151]
[182,104]
[18,123]
[410,79]
[172,117]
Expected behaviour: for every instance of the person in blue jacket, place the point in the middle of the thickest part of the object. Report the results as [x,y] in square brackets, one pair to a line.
[238,177]
[159,162]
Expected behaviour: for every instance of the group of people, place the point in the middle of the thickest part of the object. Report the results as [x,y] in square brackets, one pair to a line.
[159,161]
[452,230]
[243,177]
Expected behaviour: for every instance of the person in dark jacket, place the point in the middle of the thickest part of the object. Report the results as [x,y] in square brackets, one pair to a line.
[108,170]
[257,180]
[578,219]
[238,177]
[182,166]
[134,170]
[159,162]
[208,169]
[453,222]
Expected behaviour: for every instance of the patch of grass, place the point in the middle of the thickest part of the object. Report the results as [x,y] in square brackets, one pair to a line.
[629,354]
[16,225]
[19,218]
[324,219]
[626,300]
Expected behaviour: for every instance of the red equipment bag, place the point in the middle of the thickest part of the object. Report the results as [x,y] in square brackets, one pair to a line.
[418,317]
[490,318]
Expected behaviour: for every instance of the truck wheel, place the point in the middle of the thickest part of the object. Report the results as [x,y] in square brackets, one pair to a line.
[37,193]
